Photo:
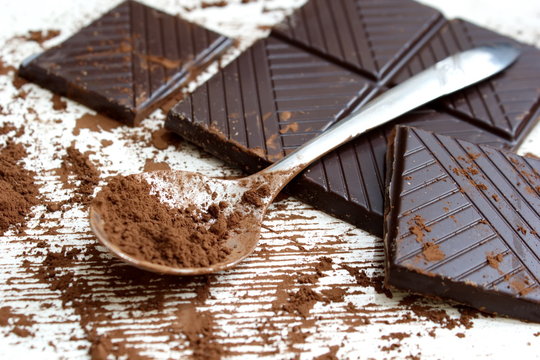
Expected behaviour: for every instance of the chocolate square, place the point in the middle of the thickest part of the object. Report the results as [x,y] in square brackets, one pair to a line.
[127,62]
[368,36]
[462,222]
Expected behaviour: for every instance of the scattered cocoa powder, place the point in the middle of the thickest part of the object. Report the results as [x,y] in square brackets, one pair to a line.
[417,226]
[198,328]
[6,69]
[57,270]
[6,128]
[330,355]
[395,336]
[432,252]
[162,138]
[494,260]
[285,115]
[40,36]
[324,263]
[106,143]
[376,282]
[150,165]
[532,156]
[58,103]
[19,323]
[95,122]
[18,191]
[145,228]
[256,195]
[77,164]
[302,301]
[292,127]
[207,4]
[335,294]
[417,305]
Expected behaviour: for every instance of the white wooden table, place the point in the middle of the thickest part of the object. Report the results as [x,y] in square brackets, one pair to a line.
[239,301]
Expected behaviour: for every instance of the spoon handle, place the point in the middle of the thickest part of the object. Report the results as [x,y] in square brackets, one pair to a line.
[449,75]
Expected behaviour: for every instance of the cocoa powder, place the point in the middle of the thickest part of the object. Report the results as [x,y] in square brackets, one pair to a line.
[41,36]
[147,229]
[95,123]
[79,166]
[18,191]
[18,324]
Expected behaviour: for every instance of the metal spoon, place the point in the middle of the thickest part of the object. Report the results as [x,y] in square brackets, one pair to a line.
[179,188]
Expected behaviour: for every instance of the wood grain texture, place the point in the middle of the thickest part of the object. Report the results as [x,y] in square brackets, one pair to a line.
[124,304]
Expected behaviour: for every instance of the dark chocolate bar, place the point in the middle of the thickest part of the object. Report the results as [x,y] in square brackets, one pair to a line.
[508,103]
[368,36]
[252,126]
[462,223]
[126,62]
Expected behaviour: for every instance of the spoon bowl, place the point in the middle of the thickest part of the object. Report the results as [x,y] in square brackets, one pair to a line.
[187,190]
[177,189]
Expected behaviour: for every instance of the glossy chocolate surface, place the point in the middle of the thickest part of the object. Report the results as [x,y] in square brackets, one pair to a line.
[126,62]
[462,223]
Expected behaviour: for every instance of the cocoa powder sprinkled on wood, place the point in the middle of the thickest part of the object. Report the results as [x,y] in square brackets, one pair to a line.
[18,324]
[78,165]
[40,36]
[18,191]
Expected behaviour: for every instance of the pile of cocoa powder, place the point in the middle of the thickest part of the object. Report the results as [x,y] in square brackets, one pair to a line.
[18,191]
[145,228]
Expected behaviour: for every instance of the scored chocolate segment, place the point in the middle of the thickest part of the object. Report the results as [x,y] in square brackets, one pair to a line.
[126,62]
[508,103]
[463,223]
[369,36]
[271,99]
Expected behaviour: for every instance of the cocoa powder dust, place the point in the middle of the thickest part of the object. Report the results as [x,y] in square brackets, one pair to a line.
[147,229]
[18,192]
